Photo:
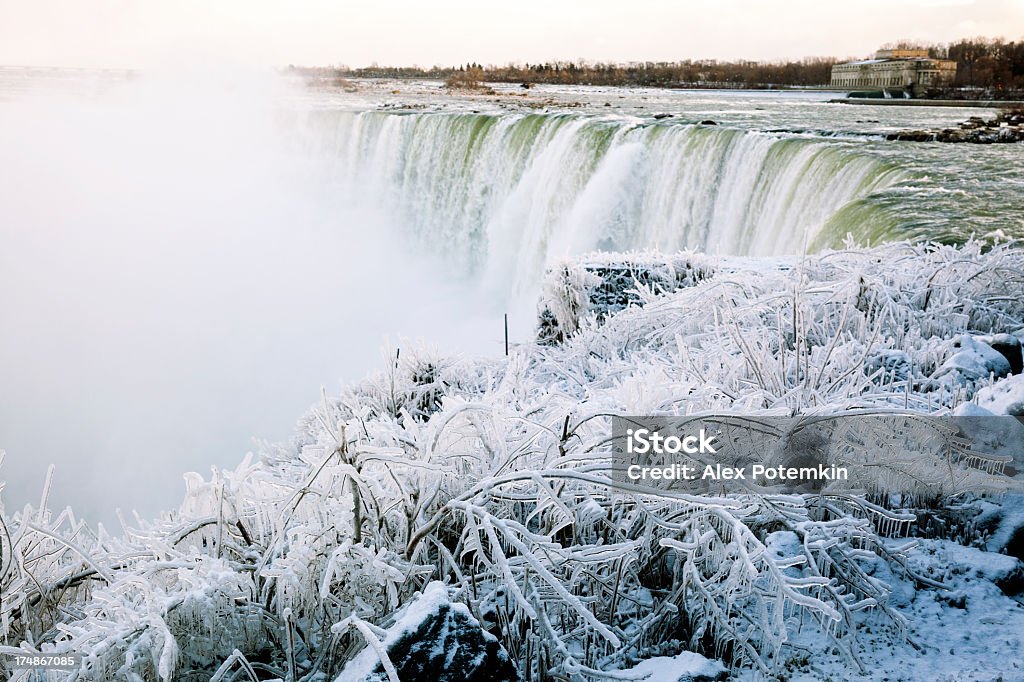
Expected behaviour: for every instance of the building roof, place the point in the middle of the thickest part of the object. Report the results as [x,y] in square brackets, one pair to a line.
[863,62]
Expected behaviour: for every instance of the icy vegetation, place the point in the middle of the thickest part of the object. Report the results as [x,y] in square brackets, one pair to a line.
[479,490]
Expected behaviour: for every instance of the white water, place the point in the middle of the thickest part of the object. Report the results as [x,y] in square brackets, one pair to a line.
[502,196]
[179,271]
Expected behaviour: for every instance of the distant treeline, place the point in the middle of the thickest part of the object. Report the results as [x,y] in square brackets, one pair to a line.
[985,67]
[992,65]
[806,72]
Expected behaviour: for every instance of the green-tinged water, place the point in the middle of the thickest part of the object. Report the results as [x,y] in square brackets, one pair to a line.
[501,193]
[504,194]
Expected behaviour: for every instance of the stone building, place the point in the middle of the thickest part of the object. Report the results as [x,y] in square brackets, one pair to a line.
[910,71]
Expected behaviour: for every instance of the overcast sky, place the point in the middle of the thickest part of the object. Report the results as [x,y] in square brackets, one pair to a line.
[143,33]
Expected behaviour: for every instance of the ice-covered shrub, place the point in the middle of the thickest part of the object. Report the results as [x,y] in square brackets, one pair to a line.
[600,284]
[492,476]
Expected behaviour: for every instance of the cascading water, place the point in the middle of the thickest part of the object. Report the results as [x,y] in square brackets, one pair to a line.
[221,252]
[502,195]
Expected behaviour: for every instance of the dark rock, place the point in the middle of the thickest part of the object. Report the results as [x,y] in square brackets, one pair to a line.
[708,122]
[1010,348]
[1006,127]
[658,117]
[912,136]
[1004,526]
[1009,117]
[951,135]
[1007,134]
[1015,545]
[1012,583]
[446,645]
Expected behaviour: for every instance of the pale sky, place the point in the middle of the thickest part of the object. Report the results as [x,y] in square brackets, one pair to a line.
[144,33]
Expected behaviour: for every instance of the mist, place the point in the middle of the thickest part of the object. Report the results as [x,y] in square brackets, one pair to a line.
[178,276]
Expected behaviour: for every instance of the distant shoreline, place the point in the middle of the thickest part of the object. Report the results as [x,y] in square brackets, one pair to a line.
[966,103]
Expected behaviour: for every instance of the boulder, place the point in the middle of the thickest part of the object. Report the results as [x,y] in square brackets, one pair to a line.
[912,136]
[1005,523]
[951,135]
[1009,347]
[1007,127]
[1012,582]
[972,359]
[1008,135]
[435,640]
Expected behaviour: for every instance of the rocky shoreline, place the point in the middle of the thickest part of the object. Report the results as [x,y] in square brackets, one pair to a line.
[1007,127]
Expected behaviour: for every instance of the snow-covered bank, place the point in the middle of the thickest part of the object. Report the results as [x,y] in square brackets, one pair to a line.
[492,476]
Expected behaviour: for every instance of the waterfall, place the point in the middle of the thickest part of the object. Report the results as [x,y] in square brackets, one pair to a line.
[501,195]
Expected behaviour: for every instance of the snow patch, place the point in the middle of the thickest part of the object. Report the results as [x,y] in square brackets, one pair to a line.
[1006,396]
[682,668]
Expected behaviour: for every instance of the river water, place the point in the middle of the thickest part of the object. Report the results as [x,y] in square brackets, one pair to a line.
[184,262]
[505,187]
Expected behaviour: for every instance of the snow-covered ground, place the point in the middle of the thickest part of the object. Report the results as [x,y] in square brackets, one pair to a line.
[486,485]
[967,630]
